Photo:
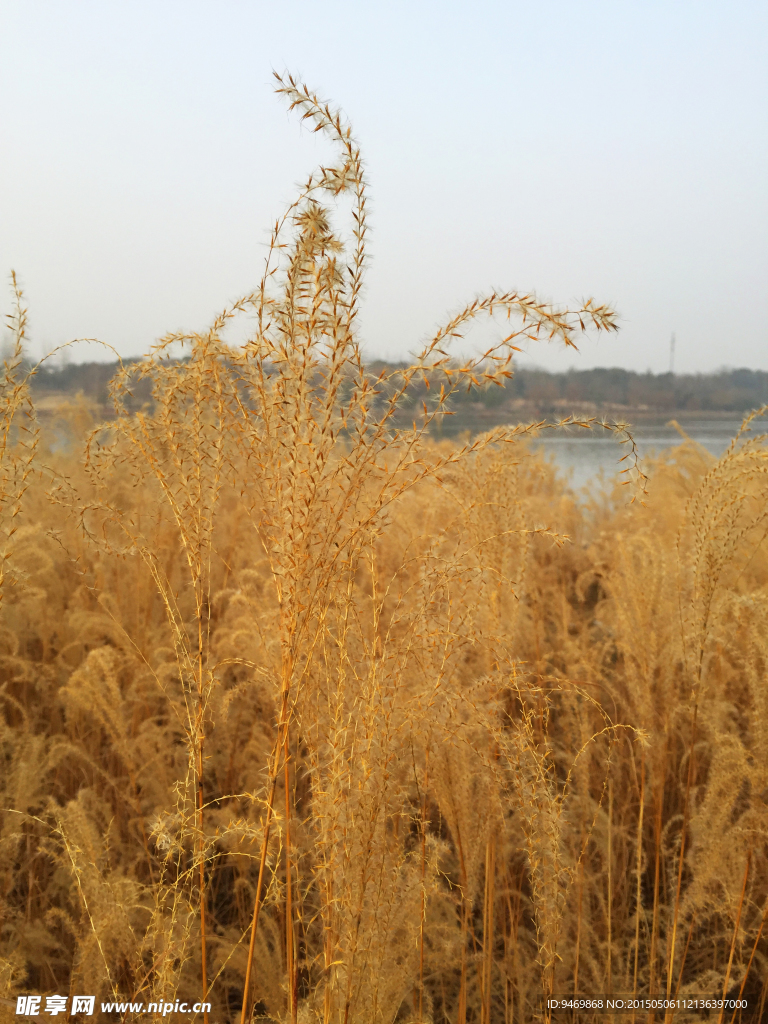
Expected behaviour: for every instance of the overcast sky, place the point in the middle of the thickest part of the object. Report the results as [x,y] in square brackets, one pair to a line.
[614,148]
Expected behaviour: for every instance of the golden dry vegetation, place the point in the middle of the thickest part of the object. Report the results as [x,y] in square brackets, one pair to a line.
[317,719]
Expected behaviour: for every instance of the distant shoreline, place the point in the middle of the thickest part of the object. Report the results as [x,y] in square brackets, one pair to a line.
[530,395]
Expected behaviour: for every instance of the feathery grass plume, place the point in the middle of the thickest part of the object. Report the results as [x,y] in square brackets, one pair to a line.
[722,534]
[318,512]
[181,446]
[18,436]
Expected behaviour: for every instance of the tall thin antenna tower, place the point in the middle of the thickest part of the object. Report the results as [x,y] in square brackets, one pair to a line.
[672,353]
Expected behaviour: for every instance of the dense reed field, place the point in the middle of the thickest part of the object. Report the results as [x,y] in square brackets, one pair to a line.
[315,718]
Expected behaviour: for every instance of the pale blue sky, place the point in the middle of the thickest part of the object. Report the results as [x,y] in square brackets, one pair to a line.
[605,147]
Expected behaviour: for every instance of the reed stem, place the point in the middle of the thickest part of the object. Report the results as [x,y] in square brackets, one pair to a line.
[289,935]
[488,922]
[681,858]
[638,872]
[751,958]
[735,935]
[422,922]
[280,745]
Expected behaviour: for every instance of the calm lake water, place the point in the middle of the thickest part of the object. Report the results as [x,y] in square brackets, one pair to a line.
[583,454]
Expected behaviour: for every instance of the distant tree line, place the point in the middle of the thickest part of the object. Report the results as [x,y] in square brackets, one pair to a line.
[89,379]
[727,390]
[724,391]
[532,389]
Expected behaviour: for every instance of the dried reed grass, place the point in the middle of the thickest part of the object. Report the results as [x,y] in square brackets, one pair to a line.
[317,718]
